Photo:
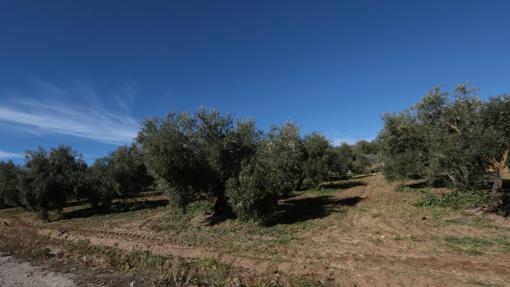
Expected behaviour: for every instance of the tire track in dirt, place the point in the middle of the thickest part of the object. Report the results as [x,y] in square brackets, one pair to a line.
[346,252]
[132,241]
[337,264]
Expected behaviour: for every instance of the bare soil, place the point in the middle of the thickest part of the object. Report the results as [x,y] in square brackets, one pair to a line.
[358,232]
[22,274]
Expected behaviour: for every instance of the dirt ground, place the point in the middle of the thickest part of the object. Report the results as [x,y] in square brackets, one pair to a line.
[358,232]
[22,274]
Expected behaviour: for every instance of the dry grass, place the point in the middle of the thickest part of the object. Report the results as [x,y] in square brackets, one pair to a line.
[359,231]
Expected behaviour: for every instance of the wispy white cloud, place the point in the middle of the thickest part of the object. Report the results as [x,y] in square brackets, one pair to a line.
[5,154]
[86,120]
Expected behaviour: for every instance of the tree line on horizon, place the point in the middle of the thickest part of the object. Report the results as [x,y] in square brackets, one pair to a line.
[188,157]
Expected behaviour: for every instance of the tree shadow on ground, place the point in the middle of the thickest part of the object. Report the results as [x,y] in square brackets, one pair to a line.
[302,209]
[117,207]
[359,176]
[342,185]
[505,204]
[437,182]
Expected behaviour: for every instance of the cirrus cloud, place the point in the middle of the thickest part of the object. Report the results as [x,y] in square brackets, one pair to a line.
[88,120]
[5,154]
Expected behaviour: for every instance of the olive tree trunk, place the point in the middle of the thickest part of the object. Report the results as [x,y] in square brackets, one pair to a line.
[497,183]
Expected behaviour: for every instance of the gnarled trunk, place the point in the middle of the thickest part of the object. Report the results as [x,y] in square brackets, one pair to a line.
[221,203]
[497,183]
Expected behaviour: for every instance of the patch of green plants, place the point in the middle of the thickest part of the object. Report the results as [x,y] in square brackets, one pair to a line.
[468,245]
[504,243]
[455,200]
[404,188]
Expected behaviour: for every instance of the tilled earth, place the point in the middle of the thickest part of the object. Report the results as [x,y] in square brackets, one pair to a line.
[366,235]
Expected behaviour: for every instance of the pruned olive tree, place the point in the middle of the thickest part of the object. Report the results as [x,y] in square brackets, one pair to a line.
[459,136]
[270,173]
[100,187]
[9,191]
[49,179]
[120,175]
[496,144]
[404,149]
[343,158]
[318,161]
[194,155]
[127,170]
[286,151]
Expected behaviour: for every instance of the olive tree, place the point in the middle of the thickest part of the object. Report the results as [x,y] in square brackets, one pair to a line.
[127,170]
[496,142]
[404,150]
[121,174]
[286,152]
[49,179]
[270,173]
[100,187]
[456,140]
[317,163]
[458,136]
[9,192]
[194,155]
[365,158]
[343,158]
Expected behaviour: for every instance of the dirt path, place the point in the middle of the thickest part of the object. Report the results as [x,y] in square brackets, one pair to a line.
[14,273]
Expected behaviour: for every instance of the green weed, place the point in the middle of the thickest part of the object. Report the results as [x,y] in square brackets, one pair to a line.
[455,200]
[468,245]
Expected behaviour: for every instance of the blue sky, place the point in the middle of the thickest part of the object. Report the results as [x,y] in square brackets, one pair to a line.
[86,73]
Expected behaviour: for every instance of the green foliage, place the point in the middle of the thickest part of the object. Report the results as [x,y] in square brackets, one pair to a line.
[128,171]
[122,174]
[460,137]
[496,124]
[50,179]
[9,192]
[195,155]
[272,172]
[456,200]
[404,149]
[283,152]
[468,245]
[252,195]
[342,158]
[318,162]
[99,185]
[404,188]
[365,158]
